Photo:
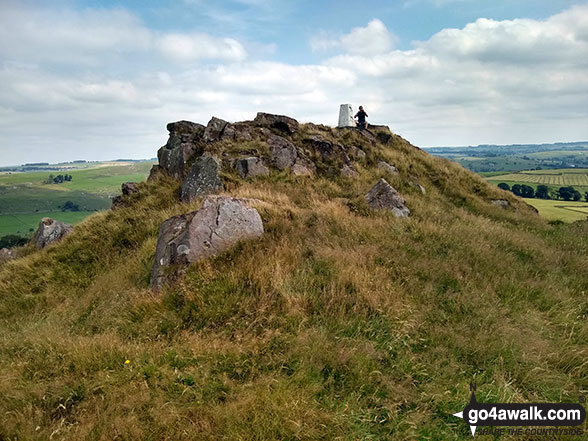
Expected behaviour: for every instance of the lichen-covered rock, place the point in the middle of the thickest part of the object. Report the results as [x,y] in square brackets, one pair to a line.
[214,129]
[50,231]
[278,122]
[285,155]
[388,168]
[202,179]
[237,132]
[184,142]
[502,203]
[219,224]
[250,167]
[384,197]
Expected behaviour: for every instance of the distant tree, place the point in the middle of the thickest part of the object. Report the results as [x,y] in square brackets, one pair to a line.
[70,206]
[577,195]
[517,189]
[12,240]
[542,192]
[504,186]
[527,191]
[566,193]
[586,196]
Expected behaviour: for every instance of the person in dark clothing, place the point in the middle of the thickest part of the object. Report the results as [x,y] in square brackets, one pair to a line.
[361,116]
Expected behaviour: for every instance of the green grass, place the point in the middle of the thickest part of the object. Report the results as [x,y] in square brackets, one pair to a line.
[567,211]
[338,323]
[24,199]
[23,223]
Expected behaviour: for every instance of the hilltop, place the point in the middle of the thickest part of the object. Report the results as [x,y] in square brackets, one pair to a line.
[339,321]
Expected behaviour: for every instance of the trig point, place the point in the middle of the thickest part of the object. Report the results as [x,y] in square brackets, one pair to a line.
[346,116]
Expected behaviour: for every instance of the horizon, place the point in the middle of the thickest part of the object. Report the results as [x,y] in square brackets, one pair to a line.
[100,78]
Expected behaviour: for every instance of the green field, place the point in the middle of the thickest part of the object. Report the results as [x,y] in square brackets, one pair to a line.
[566,211]
[559,177]
[25,200]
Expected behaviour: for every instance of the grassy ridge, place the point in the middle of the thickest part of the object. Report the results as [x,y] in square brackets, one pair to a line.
[339,323]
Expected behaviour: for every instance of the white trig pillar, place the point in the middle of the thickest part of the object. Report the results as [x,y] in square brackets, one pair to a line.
[346,116]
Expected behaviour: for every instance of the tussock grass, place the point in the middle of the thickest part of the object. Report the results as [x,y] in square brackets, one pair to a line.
[339,323]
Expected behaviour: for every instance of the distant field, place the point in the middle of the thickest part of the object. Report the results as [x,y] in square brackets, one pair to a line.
[573,177]
[560,210]
[25,200]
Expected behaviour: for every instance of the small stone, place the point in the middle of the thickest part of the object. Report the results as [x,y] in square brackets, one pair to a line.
[384,197]
[388,168]
[502,203]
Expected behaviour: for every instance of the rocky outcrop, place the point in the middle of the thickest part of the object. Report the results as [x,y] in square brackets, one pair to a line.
[202,179]
[50,231]
[184,143]
[387,168]
[219,224]
[285,155]
[356,153]
[128,188]
[250,167]
[281,123]
[502,203]
[384,197]
[214,129]
[332,153]
[155,172]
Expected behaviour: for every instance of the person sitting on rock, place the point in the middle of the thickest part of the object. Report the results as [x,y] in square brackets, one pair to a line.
[361,116]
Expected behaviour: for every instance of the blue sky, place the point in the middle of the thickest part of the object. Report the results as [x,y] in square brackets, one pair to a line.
[100,79]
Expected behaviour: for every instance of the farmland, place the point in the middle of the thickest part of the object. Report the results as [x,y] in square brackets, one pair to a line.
[25,199]
[567,211]
[558,177]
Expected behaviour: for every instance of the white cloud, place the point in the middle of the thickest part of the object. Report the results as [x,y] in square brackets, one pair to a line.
[373,39]
[100,84]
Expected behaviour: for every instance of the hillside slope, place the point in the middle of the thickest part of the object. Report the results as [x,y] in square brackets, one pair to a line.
[340,322]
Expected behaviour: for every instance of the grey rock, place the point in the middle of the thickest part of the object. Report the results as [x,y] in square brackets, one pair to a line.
[50,231]
[356,153]
[214,129]
[237,132]
[7,254]
[502,203]
[415,183]
[384,197]
[349,171]
[202,179]
[155,172]
[388,168]
[185,141]
[285,155]
[218,225]
[129,188]
[250,167]
[278,122]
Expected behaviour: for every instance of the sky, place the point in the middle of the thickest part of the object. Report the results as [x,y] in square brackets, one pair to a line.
[99,80]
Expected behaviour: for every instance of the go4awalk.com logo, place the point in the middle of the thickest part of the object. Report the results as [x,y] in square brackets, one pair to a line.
[555,415]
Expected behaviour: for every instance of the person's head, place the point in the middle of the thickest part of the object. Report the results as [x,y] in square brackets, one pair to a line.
[360,107]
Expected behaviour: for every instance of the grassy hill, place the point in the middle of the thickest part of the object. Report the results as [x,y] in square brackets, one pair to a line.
[339,323]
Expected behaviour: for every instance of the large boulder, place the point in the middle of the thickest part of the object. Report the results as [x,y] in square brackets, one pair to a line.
[184,142]
[202,179]
[384,197]
[214,129]
[237,132]
[278,122]
[285,155]
[50,231]
[250,167]
[219,224]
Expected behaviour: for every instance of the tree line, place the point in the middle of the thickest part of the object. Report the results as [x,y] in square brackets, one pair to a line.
[568,193]
[59,179]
